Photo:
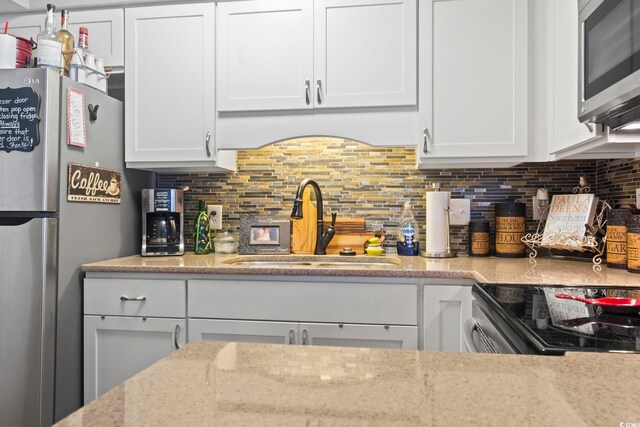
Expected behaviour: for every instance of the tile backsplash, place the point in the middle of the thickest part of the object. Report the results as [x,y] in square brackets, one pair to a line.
[374,182]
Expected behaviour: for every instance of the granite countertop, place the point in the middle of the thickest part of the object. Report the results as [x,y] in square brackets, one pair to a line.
[542,271]
[213,383]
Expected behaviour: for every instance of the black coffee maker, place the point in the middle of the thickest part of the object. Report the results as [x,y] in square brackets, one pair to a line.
[162,222]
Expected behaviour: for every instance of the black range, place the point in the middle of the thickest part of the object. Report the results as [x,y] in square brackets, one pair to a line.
[532,320]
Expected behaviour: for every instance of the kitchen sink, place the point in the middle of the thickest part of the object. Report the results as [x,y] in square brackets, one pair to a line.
[320,262]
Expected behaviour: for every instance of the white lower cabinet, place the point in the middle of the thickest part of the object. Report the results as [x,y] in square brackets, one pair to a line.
[371,336]
[116,348]
[446,308]
[128,325]
[242,331]
[327,334]
[378,313]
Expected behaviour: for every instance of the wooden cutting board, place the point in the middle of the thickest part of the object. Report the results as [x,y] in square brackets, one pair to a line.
[303,232]
[354,241]
[346,225]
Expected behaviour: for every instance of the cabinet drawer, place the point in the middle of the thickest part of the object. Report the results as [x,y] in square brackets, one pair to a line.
[304,301]
[125,297]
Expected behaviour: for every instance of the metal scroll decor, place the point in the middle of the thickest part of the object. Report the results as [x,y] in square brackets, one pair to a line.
[593,239]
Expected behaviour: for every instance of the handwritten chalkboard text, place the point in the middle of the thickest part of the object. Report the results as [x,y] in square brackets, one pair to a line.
[19,119]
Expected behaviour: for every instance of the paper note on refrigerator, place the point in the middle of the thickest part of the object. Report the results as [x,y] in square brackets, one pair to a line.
[76,127]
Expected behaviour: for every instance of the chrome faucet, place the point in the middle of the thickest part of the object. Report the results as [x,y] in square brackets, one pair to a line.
[322,240]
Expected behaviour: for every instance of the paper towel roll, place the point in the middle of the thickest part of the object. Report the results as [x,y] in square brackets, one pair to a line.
[7,51]
[437,224]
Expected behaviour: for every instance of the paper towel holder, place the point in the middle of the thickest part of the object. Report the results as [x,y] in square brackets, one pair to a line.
[448,253]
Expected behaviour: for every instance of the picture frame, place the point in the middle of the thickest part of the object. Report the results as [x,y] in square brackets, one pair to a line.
[268,235]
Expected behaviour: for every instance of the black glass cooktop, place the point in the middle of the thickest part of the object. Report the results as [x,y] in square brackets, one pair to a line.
[534,317]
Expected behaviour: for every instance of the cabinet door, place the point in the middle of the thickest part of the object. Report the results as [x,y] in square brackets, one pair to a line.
[116,348]
[265,55]
[368,336]
[473,71]
[446,309]
[169,84]
[365,53]
[564,128]
[243,331]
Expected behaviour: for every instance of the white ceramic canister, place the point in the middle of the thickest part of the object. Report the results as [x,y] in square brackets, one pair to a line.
[102,78]
[90,67]
[7,51]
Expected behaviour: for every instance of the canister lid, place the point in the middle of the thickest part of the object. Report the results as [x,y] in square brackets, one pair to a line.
[510,209]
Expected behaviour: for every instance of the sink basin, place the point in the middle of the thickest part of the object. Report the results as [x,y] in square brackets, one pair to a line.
[313,262]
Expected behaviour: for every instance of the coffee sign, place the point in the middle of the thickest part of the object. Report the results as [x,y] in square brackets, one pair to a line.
[89,184]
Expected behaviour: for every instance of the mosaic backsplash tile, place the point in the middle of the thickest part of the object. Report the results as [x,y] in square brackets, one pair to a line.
[362,181]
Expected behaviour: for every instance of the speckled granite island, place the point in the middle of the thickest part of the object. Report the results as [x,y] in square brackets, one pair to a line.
[543,271]
[230,384]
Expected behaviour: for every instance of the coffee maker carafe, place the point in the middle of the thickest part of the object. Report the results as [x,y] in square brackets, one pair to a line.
[162,222]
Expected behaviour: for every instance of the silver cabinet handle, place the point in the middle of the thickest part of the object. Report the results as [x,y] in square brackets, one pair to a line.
[425,145]
[206,143]
[176,332]
[292,336]
[307,91]
[126,298]
[305,337]
[319,90]
[589,126]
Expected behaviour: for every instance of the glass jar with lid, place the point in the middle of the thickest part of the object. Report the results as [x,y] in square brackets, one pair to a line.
[225,243]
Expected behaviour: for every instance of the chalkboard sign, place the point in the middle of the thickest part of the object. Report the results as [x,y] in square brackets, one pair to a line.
[19,118]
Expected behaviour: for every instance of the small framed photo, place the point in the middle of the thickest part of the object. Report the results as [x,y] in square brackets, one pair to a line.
[265,235]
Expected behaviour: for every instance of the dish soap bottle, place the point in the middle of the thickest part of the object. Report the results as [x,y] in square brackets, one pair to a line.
[408,242]
[201,238]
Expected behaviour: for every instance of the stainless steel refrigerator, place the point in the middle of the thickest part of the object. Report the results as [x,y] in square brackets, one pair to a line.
[44,238]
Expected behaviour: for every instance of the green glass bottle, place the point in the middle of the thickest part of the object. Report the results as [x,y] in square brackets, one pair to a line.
[201,239]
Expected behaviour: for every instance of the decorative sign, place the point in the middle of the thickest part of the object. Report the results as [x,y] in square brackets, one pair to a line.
[265,235]
[19,119]
[89,184]
[76,125]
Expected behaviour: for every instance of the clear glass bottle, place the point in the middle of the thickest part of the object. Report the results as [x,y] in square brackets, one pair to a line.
[201,238]
[49,44]
[67,40]
[408,241]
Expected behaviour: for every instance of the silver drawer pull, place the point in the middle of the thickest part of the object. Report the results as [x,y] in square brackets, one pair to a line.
[126,298]
[319,90]
[175,337]
[305,337]
[307,91]
[292,336]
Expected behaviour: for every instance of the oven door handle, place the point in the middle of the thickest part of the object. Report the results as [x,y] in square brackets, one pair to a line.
[469,327]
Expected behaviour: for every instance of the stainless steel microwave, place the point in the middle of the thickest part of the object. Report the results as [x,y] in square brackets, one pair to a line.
[609,77]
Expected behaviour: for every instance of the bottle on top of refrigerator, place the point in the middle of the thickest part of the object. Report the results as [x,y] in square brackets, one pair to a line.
[49,44]
[408,242]
[68,42]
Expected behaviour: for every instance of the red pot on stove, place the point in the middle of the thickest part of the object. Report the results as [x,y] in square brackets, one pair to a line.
[24,49]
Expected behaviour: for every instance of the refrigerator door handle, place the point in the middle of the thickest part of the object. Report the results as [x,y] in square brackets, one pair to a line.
[13,221]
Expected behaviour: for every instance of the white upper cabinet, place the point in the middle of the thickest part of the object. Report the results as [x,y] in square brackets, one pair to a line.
[265,55]
[170,89]
[473,82]
[564,129]
[567,138]
[106,31]
[364,53]
[302,54]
